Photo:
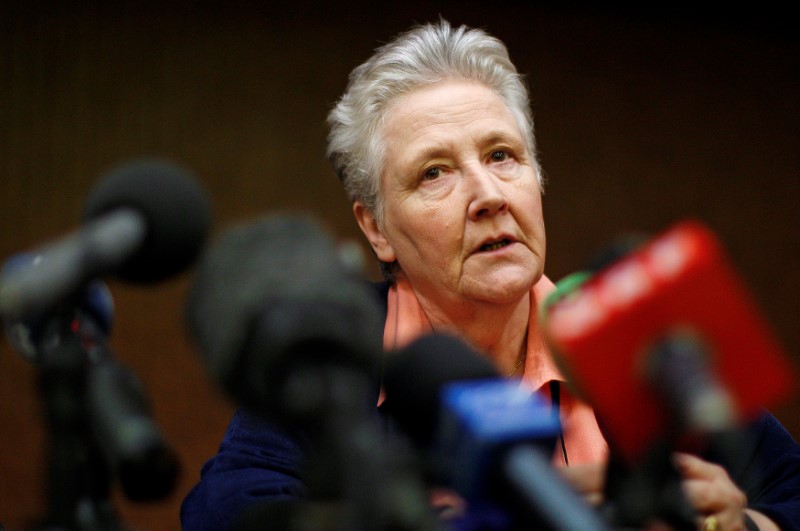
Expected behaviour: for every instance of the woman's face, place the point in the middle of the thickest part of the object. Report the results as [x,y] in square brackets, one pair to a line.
[462,205]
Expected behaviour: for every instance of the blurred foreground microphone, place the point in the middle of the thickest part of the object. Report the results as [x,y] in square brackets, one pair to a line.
[666,344]
[485,437]
[274,302]
[293,333]
[143,222]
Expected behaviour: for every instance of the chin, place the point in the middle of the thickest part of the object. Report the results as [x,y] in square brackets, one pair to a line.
[503,291]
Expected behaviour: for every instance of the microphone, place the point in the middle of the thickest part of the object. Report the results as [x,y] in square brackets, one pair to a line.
[287,328]
[485,437]
[664,341]
[273,298]
[143,222]
[25,335]
[415,376]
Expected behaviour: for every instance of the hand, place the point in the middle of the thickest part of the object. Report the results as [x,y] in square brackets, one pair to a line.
[707,486]
[588,480]
[712,493]
[720,504]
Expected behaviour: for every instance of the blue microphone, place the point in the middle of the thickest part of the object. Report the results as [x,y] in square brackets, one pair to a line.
[480,420]
[485,437]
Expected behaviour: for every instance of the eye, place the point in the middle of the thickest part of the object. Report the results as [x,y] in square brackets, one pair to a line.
[499,156]
[432,173]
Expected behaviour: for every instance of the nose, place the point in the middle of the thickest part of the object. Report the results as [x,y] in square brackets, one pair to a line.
[486,195]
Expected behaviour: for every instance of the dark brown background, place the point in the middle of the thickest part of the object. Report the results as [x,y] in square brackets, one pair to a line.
[643,118]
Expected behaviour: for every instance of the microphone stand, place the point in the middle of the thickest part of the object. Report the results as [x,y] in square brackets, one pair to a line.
[357,477]
[648,490]
[78,480]
[98,421]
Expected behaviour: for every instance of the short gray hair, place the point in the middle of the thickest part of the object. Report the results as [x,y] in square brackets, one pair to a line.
[421,56]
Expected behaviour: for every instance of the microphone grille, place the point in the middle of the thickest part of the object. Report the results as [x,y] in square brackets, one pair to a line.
[176,209]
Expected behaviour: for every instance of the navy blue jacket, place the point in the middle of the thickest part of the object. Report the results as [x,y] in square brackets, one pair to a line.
[258,461]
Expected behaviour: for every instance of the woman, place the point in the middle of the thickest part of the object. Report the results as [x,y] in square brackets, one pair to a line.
[433,141]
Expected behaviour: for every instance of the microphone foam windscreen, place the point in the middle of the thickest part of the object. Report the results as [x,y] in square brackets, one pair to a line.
[415,376]
[275,293]
[174,205]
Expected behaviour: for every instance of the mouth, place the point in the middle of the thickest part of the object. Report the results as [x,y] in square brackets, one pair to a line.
[493,246]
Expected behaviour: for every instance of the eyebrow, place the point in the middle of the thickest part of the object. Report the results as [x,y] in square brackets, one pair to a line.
[494,136]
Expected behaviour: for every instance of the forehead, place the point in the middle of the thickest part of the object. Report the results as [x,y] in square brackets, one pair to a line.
[452,101]
[443,119]
[451,114]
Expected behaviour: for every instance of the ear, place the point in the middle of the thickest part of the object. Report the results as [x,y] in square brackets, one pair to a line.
[377,239]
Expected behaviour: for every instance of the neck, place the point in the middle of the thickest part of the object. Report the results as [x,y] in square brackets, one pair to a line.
[498,330]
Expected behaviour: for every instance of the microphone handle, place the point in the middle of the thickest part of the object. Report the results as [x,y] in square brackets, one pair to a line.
[59,268]
[680,369]
[543,495]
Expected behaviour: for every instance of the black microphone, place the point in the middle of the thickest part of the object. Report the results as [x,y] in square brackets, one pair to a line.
[485,437]
[414,377]
[293,333]
[143,222]
[273,298]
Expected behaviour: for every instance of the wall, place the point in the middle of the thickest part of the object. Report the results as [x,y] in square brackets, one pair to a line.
[643,118]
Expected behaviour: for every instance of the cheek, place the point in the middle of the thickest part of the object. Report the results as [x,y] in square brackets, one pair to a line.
[430,235]
[530,206]
[427,235]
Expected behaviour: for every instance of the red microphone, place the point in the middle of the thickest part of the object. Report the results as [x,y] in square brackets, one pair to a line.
[666,337]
